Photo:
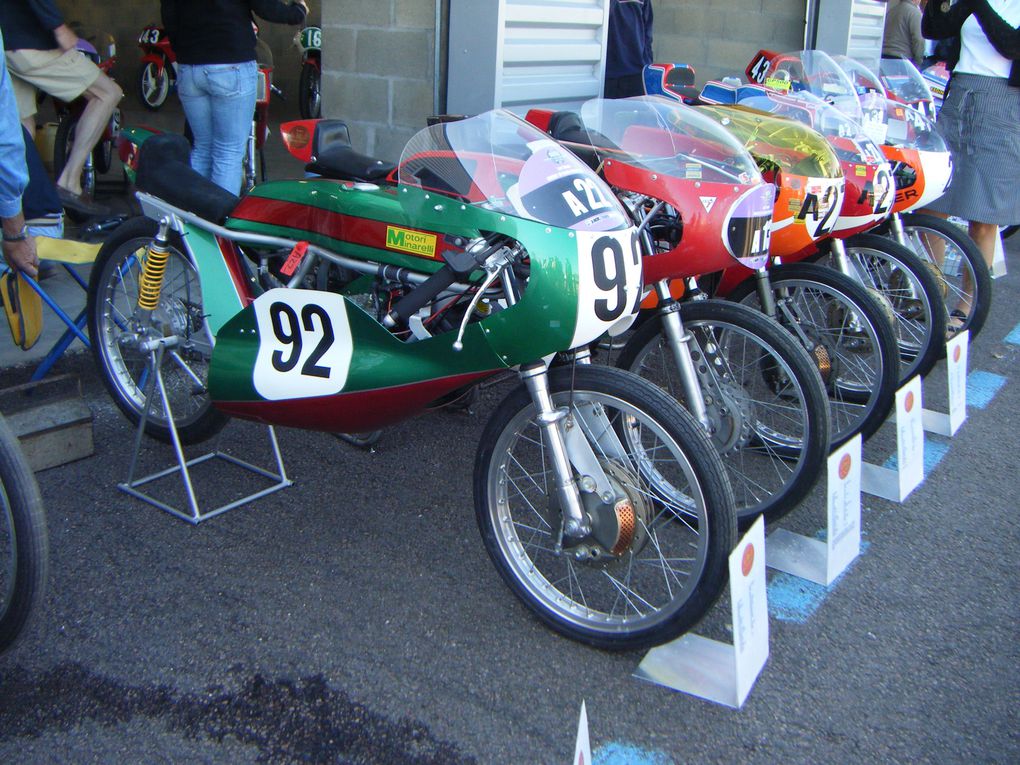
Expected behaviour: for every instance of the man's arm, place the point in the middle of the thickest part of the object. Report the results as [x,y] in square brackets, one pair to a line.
[18,248]
[1004,38]
[280,12]
[916,38]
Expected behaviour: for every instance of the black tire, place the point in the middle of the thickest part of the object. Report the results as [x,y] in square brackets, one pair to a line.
[765,399]
[959,265]
[153,85]
[310,91]
[680,506]
[848,334]
[910,286]
[24,541]
[112,296]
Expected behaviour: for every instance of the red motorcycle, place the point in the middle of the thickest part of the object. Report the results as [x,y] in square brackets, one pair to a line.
[157,76]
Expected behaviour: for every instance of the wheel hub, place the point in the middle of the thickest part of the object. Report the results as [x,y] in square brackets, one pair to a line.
[618,526]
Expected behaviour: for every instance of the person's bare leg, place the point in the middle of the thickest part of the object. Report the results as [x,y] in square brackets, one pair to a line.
[103,96]
[984,235]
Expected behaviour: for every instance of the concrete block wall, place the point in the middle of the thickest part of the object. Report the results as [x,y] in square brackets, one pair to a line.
[719,38]
[379,70]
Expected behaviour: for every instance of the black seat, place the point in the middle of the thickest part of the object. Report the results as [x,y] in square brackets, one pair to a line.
[344,163]
[164,170]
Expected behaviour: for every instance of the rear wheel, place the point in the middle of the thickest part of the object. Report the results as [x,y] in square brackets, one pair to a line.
[764,397]
[849,337]
[124,368]
[63,142]
[656,558]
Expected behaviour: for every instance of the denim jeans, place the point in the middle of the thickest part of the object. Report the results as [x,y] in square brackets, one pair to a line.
[219,102]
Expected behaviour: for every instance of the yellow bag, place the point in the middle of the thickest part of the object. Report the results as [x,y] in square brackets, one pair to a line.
[23,308]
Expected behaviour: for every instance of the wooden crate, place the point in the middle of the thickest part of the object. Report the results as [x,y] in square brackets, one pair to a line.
[50,419]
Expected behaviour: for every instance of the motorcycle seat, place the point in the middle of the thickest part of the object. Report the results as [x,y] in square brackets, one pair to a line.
[164,170]
[343,163]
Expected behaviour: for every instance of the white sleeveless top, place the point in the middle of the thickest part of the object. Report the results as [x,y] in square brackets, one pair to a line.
[977,56]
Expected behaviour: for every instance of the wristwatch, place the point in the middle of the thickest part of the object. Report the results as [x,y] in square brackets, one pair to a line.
[21,236]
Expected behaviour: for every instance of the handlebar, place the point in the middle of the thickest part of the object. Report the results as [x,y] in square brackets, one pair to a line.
[414,300]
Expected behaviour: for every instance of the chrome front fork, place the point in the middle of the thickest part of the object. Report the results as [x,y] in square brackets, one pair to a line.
[679,341]
[575,520]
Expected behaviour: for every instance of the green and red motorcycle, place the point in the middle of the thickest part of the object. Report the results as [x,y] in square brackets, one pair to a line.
[353,300]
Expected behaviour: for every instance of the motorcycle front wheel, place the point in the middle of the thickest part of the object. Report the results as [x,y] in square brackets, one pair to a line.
[849,336]
[912,289]
[153,85]
[656,560]
[63,142]
[115,333]
[763,396]
[24,542]
[959,265]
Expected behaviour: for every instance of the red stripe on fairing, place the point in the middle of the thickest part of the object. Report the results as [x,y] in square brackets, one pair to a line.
[230,255]
[345,228]
[351,412]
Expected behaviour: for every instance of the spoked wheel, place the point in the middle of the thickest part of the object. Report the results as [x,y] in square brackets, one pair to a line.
[911,288]
[116,336]
[764,397]
[24,543]
[849,337]
[153,85]
[959,266]
[657,555]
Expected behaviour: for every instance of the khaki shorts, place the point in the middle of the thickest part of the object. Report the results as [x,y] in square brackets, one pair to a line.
[61,74]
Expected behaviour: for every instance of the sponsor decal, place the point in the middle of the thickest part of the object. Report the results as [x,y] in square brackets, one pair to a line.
[708,203]
[414,242]
[844,467]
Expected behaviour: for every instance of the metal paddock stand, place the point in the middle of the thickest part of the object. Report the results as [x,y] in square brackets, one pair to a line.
[195,515]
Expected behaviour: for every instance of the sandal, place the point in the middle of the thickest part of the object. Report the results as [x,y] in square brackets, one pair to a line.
[957,320]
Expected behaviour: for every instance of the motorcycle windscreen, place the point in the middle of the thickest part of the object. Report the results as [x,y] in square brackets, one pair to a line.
[869,190]
[813,71]
[904,82]
[498,163]
[678,155]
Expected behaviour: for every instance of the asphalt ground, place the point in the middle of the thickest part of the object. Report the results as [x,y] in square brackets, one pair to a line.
[355,617]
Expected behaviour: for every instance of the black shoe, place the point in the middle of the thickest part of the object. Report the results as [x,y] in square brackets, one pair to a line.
[79,203]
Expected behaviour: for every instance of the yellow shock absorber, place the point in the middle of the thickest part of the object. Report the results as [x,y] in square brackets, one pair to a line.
[151,280]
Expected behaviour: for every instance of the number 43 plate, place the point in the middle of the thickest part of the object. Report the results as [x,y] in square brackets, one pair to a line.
[305,344]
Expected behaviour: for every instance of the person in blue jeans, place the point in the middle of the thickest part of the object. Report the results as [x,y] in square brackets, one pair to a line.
[215,45]
[18,245]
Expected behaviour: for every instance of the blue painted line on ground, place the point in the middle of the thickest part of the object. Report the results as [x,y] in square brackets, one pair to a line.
[934,450]
[618,753]
[793,599]
[1014,335]
[982,387]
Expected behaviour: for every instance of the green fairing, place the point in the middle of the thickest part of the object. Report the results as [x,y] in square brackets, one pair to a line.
[137,136]
[379,361]
[548,308]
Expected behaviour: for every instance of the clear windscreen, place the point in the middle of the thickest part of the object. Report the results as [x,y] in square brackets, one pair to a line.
[669,138]
[499,162]
[845,135]
[896,124]
[816,72]
[904,82]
